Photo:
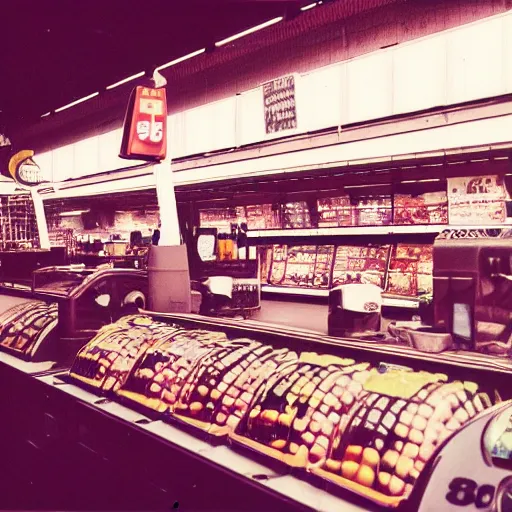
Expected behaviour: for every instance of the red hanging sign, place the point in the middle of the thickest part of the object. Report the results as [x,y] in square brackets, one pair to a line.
[145,125]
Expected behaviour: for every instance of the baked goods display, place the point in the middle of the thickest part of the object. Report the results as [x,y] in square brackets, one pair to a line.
[25,326]
[366,429]
[158,378]
[105,362]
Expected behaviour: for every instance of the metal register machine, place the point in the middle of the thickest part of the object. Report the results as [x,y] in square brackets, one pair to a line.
[473,288]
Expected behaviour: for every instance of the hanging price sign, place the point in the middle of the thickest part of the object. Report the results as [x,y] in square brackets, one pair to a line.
[145,125]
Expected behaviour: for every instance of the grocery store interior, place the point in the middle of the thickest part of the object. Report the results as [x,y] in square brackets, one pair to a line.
[256,255]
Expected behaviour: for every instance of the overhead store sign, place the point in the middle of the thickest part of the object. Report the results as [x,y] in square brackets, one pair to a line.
[477,200]
[279,103]
[25,171]
[145,125]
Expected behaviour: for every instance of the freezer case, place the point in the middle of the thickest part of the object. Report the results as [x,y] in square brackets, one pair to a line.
[343,416]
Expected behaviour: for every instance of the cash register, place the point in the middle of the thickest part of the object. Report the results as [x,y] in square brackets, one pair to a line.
[473,288]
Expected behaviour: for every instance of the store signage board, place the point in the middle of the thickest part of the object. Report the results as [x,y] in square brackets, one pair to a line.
[472,483]
[145,125]
[279,104]
[476,200]
[25,171]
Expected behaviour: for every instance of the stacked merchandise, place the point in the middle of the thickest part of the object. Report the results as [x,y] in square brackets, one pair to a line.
[360,264]
[335,212]
[301,266]
[264,216]
[345,421]
[429,208]
[25,326]
[410,270]
[221,218]
[374,211]
[296,215]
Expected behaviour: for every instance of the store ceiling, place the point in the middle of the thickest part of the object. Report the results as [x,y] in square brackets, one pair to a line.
[56,51]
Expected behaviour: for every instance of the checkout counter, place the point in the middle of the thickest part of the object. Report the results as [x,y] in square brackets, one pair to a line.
[437,424]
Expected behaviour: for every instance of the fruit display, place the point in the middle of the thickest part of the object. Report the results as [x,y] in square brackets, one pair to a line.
[105,362]
[371,430]
[25,326]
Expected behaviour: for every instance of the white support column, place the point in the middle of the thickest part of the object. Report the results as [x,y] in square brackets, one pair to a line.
[42,227]
[170,228]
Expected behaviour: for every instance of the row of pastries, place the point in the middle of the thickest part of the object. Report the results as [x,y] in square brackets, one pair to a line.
[340,419]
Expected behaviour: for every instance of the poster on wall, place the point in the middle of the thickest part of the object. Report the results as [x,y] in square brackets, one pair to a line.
[145,125]
[279,105]
[476,200]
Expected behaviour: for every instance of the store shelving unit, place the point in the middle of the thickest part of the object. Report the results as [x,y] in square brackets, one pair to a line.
[17,221]
[397,302]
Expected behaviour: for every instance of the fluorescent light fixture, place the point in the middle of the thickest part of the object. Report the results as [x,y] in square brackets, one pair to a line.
[309,6]
[181,59]
[249,31]
[73,213]
[480,160]
[125,80]
[501,158]
[46,115]
[359,186]
[430,180]
[81,100]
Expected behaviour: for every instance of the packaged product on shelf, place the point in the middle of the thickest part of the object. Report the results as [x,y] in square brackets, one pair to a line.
[157,379]
[360,264]
[374,211]
[263,216]
[278,266]
[297,410]
[265,256]
[323,266]
[300,266]
[407,263]
[430,208]
[394,430]
[219,390]
[221,218]
[296,215]
[25,326]
[105,362]
[335,212]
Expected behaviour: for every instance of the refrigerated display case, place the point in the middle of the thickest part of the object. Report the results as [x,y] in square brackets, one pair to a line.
[64,308]
[347,418]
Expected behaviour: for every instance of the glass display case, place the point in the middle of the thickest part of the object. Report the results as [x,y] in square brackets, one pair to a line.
[373,429]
